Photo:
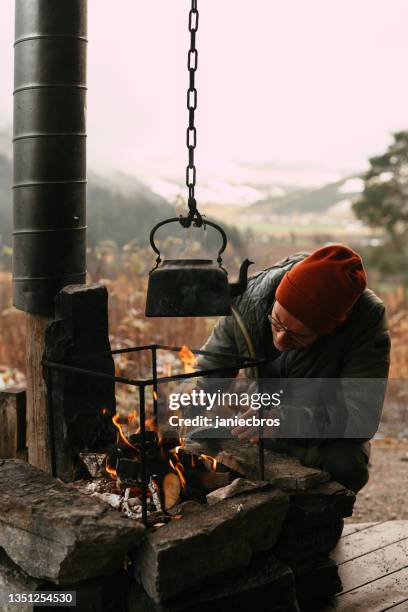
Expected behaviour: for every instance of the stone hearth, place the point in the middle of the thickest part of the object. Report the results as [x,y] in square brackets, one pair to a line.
[270,540]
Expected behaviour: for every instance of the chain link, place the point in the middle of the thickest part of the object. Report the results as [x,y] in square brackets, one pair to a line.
[192,63]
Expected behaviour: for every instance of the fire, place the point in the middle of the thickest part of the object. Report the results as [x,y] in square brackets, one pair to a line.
[156,397]
[110,470]
[188,358]
[123,437]
[211,460]
[179,469]
[150,425]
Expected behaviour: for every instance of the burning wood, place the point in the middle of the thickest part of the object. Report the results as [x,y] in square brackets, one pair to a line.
[174,474]
[171,487]
[94,462]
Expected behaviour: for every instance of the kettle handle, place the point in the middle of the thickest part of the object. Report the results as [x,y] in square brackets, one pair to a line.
[179,219]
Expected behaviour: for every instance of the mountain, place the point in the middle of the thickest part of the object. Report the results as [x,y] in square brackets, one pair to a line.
[120,208]
[110,213]
[312,200]
[122,214]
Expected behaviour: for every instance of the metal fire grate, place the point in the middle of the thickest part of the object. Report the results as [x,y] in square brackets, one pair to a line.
[238,362]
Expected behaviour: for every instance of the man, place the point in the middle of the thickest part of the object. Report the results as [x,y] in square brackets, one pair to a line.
[312,316]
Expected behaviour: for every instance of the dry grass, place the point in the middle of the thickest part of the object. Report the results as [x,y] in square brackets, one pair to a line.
[397,311]
[125,275]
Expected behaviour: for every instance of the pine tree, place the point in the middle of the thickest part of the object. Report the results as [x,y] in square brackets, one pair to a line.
[384,200]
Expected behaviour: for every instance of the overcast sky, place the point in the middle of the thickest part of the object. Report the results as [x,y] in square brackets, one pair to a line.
[294,81]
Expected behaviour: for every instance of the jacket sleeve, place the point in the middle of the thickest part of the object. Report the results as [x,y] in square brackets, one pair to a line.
[354,401]
[221,341]
[364,377]
[368,353]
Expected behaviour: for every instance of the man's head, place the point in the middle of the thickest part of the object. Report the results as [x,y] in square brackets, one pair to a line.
[314,297]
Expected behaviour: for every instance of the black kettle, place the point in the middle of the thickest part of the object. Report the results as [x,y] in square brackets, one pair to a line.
[192,287]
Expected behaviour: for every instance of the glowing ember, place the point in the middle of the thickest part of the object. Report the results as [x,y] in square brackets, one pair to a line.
[211,460]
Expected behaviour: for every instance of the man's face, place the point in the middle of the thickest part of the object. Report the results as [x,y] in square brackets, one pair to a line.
[287,331]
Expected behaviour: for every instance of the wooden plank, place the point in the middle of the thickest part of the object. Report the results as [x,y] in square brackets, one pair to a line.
[37,417]
[12,423]
[374,565]
[350,528]
[366,541]
[376,596]
[402,607]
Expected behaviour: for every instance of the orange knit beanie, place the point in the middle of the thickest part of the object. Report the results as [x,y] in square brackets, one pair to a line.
[321,289]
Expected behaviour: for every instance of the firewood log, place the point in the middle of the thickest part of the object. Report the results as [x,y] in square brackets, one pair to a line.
[171,488]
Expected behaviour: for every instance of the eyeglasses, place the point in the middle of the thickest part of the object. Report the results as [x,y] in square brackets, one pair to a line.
[297,339]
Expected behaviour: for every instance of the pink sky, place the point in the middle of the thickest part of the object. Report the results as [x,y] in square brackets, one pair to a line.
[317,82]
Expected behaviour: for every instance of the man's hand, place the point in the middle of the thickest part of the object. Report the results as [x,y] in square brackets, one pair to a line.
[251,432]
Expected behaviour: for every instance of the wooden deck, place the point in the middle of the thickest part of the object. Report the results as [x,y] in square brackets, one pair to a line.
[373,566]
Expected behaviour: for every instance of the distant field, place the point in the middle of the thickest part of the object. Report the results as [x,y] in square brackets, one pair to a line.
[288,228]
[309,225]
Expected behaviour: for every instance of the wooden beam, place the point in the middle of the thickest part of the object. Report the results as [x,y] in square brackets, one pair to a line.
[37,414]
[13,423]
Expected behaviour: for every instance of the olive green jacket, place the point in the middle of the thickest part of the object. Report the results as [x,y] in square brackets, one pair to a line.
[358,349]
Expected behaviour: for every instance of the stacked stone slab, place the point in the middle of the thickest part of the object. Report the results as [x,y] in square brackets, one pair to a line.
[312,527]
[314,521]
[55,534]
[266,541]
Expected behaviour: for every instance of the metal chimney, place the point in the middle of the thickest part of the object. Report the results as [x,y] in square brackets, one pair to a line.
[49,241]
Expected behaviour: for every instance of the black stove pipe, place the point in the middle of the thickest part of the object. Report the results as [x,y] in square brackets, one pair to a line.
[49,192]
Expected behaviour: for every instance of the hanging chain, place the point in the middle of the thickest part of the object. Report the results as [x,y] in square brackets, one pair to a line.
[192,61]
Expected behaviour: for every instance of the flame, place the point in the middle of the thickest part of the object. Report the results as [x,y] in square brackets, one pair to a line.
[122,436]
[180,445]
[188,358]
[169,370]
[179,469]
[110,470]
[156,397]
[212,461]
[150,425]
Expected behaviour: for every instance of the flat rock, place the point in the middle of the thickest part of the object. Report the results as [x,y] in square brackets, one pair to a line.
[327,502]
[298,543]
[284,471]
[95,595]
[236,487]
[186,553]
[317,579]
[12,581]
[266,581]
[55,533]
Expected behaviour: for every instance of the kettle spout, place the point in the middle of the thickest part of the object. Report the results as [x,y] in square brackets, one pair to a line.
[239,287]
